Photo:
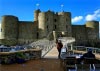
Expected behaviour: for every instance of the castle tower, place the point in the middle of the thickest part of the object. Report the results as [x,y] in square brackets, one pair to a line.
[65,23]
[9,27]
[42,25]
[36,14]
[49,24]
[92,28]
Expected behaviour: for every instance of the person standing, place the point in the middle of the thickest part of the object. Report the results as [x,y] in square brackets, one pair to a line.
[59,46]
[64,51]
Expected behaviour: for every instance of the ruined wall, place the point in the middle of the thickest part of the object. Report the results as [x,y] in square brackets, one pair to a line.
[27,32]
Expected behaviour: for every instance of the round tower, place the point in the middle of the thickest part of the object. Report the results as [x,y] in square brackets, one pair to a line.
[92,28]
[36,14]
[9,27]
[42,25]
[65,23]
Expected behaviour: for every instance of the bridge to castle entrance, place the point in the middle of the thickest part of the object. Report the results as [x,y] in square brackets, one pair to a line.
[53,53]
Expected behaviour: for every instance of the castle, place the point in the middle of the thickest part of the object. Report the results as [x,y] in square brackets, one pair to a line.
[46,25]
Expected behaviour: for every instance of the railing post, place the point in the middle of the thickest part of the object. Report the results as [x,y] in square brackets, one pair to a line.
[95,50]
[71,46]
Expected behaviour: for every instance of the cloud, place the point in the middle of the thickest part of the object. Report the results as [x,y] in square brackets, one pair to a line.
[93,16]
[77,19]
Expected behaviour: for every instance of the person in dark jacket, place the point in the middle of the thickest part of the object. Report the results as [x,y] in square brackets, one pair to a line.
[89,54]
[59,46]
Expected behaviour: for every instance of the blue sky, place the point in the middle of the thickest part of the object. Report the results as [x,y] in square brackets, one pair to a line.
[81,10]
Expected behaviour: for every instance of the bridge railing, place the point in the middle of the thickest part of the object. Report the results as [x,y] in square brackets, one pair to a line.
[43,44]
[83,48]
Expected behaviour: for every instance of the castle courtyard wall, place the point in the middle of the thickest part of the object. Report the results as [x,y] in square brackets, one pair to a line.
[79,33]
[27,32]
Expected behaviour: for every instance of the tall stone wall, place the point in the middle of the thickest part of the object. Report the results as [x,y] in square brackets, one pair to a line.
[92,30]
[65,23]
[42,25]
[9,27]
[49,24]
[56,22]
[36,14]
[49,21]
[27,32]
[79,33]
[9,32]
[46,24]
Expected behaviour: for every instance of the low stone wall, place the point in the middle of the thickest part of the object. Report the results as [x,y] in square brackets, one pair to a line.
[12,57]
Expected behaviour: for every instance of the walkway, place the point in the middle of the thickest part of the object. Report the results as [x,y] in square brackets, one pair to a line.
[53,53]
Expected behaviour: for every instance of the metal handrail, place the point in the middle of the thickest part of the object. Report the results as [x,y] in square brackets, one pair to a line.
[84,48]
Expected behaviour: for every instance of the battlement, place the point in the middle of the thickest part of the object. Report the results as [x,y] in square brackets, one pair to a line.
[49,11]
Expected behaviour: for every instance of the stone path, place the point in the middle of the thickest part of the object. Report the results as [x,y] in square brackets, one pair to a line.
[53,53]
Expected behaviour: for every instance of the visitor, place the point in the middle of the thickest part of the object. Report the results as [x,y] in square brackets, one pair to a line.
[59,46]
[64,51]
[89,54]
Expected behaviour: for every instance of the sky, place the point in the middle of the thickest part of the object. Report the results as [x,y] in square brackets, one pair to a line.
[81,10]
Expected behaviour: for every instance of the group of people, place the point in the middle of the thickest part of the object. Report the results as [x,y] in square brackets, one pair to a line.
[60,45]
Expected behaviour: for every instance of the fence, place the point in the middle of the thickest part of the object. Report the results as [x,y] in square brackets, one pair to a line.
[43,44]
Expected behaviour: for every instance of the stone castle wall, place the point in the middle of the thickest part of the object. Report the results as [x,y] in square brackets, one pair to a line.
[23,32]
[50,21]
[9,30]
[79,32]
[27,32]
[65,23]
[88,33]
[92,30]
[9,27]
